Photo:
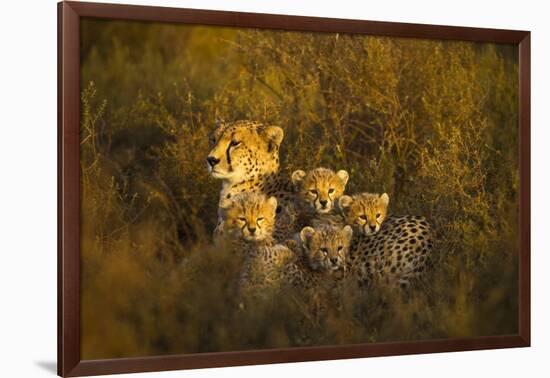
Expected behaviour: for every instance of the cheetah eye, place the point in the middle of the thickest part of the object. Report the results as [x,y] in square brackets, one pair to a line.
[325,251]
[242,219]
[377,215]
[364,217]
[313,191]
[259,219]
[212,140]
[330,191]
[340,248]
[234,143]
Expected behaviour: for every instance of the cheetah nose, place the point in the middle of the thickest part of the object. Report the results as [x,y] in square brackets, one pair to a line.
[252,230]
[333,260]
[372,227]
[212,161]
[323,203]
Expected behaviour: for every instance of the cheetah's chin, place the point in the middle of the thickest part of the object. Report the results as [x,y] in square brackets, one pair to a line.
[369,232]
[254,238]
[323,211]
[218,174]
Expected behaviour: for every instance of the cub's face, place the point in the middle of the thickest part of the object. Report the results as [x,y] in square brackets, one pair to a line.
[326,248]
[241,150]
[249,216]
[365,212]
[320,188]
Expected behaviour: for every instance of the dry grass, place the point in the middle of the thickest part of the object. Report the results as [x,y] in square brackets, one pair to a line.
[432,123]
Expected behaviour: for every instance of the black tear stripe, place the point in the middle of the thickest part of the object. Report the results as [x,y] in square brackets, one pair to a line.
[228,155]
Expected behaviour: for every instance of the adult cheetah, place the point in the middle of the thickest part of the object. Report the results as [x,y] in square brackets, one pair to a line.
[245,156]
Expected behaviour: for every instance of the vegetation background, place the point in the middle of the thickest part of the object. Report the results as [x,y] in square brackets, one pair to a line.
[433,123]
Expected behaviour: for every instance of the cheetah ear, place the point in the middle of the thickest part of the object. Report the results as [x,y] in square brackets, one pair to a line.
[225,203]
[385,199]
[297,177]
[293,245]
[219,123]
[345,202]
[348,232]
[343,175]
[272,202]
[274,136]
[306,234]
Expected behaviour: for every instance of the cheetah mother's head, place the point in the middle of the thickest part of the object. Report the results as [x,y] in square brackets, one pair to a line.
[242,150]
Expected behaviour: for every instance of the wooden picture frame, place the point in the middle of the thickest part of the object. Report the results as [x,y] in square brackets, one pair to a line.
[69,16]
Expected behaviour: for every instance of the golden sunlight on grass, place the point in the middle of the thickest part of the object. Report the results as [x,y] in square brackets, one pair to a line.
[434,124]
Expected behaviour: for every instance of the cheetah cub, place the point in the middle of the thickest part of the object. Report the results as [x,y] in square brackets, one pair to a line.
[248,221]
[320,269]
[365,212]
[249,217]
[317,193]
[388,249]
[321,256]
[326,248]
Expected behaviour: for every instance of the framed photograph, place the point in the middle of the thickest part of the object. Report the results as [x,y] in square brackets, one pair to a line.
[239,188]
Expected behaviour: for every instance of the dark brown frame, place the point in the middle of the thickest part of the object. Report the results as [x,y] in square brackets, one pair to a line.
[69,14]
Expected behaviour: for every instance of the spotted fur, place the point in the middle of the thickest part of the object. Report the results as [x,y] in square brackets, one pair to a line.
[321,256]
[319,269]
[390,249]
[326,248]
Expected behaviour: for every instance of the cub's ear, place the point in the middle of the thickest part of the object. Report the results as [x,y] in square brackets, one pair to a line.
[306,234]
[343,175]
[224,206]
[274,136]
[385,199]
[293,245]
[272,202]
[348,232]
[226,203]
[345,202]
[297,177]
